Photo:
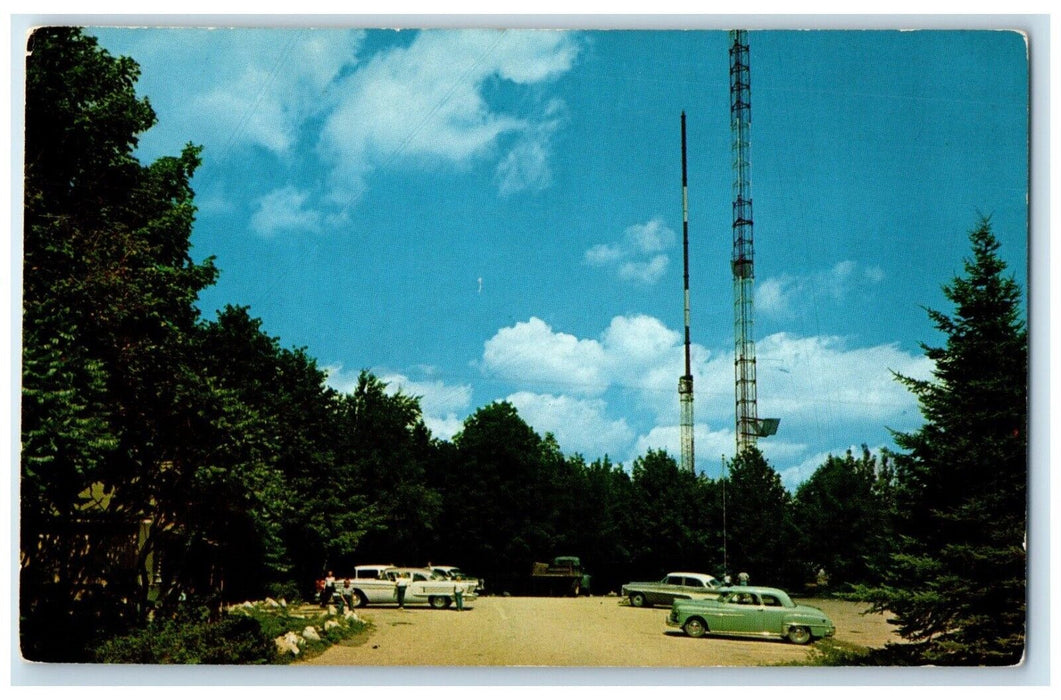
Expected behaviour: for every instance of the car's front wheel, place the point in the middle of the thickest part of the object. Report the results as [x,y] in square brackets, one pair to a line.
[695,627]
[637,600]
[799,635]
[440,602]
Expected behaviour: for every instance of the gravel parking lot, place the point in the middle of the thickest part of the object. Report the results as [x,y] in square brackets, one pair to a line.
[572,632]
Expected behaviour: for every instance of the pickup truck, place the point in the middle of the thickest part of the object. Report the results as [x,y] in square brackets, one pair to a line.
[674,586]
[561,576]
[378,585]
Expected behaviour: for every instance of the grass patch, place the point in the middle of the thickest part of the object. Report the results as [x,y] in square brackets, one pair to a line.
[278,621]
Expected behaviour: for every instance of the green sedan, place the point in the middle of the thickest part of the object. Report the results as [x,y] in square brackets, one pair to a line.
[753,611]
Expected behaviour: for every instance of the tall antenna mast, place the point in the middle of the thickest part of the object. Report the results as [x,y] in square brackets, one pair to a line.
[749,427]
[685,383]
[743,249]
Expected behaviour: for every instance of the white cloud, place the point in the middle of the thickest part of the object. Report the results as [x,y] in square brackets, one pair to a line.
[533,354]
[637,352]
[821,378]
[817,386]
[423,103]
[526,166]
[436,397]
[258,87]
[638,254]
[708,445]
[284,210]
[580,425]
[646,271]
[426,102]
[339,379]
[782,295]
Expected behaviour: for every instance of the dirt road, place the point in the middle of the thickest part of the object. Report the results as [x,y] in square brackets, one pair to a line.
[594,632]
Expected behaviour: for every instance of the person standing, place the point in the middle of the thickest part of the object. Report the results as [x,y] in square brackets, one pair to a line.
[329,589]
[743,578]
[400,585]
[348,593]
[458,594]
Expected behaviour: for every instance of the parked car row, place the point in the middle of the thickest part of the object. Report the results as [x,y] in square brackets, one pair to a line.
[378,584]
[700,605]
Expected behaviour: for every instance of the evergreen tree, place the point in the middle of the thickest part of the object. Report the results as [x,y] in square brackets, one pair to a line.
[958,579]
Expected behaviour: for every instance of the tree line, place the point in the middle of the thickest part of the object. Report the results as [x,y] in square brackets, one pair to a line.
[172,460]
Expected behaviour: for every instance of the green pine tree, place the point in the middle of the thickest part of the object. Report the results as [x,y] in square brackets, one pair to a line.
[958,579]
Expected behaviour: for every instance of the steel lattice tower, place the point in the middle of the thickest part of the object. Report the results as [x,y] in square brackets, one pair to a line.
[685,383]
[747,427]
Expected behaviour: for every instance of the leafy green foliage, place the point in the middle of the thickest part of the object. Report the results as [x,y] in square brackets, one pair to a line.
[383,446]
[233,640]
[841,518]
[108,321]
[668,529]
[757,520]
[501,481]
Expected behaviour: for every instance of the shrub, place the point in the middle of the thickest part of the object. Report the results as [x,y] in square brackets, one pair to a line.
[288,590]
[233,640]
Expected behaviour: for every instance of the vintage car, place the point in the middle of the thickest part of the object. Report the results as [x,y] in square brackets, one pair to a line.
[368,583]
[454,573]
[426,586]
[753,611]
[674,586]
[377,584]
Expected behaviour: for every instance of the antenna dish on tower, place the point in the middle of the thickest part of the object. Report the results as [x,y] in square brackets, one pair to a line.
[749,428]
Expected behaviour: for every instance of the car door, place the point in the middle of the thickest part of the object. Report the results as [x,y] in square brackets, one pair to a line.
[740,613]
[727,616]
[773,614]
[377,590]
[656,593]
[670,589]
[693,587]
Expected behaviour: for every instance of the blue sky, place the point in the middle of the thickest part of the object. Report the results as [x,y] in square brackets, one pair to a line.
[496,215]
